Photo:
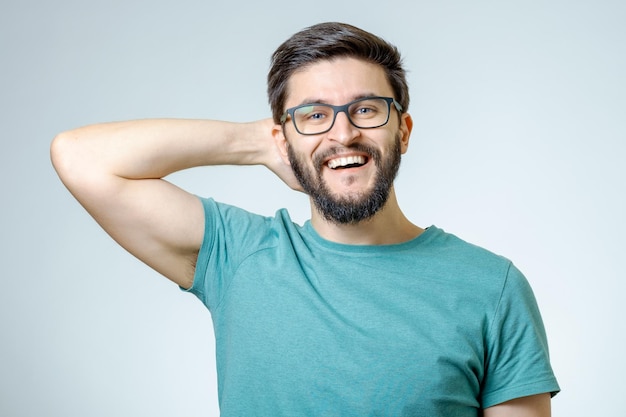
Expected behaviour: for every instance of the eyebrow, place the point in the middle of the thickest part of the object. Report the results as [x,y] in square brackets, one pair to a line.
[322,101]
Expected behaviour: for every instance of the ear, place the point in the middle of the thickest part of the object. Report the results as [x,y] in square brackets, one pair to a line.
[406,125]
[281,142]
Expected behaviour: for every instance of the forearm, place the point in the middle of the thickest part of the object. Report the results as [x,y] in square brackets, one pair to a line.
[155,148]
[115,171]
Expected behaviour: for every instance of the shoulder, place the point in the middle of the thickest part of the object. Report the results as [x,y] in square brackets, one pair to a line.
[234,226]
[457,253]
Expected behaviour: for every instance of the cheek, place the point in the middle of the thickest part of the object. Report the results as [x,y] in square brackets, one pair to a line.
[296,159]
[304,150]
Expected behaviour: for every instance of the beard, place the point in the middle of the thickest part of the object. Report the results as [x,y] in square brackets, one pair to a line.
[356,207]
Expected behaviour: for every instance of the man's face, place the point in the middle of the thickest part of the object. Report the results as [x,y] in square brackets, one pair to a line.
[348,172]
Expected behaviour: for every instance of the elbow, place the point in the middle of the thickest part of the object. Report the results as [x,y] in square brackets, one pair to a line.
[61,154]
[78,163]
[71,160]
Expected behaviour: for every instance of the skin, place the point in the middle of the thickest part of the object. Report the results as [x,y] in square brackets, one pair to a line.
[116,171]
[337,82]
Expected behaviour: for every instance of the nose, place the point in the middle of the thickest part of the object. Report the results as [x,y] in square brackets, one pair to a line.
[343,131]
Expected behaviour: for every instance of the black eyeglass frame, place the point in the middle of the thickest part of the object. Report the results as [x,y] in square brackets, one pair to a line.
[340,109]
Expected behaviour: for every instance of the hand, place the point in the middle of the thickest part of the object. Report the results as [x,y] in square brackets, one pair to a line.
[273,158]
[285,173]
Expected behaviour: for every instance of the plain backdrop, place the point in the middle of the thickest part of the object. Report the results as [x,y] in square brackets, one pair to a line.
[518,146]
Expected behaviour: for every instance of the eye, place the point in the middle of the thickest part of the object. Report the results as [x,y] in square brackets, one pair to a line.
[364,111]
[313,114]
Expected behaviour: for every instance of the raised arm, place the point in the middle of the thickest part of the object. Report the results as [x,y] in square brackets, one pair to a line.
[116,171]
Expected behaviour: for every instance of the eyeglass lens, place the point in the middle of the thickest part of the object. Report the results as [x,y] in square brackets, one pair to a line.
[318,118]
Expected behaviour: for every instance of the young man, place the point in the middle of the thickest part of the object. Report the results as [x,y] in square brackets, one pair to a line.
[357,312]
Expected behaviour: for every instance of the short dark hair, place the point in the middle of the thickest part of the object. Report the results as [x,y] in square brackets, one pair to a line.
[326,41]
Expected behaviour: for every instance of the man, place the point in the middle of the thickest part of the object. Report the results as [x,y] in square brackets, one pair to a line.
[357,312]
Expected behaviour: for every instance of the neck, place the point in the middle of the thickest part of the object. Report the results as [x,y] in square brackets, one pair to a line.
[386,227]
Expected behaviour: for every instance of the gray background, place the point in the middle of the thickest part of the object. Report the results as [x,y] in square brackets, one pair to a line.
[518,146]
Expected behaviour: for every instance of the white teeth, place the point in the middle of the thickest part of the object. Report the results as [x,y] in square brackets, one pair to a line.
[346,160]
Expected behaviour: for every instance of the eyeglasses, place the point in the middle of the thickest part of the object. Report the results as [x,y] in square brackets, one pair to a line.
[318,118]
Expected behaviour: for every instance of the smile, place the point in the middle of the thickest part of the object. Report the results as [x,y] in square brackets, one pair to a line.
[347,162]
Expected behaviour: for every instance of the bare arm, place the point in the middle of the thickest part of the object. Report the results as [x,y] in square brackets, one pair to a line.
[116,170]
[531,406]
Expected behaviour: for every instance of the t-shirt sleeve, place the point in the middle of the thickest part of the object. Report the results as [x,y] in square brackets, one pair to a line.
[230,234]
[517,362]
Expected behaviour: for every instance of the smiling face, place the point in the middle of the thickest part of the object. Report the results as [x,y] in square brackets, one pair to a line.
[348,172]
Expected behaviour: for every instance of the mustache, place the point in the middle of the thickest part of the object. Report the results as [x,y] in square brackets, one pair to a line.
[371,152]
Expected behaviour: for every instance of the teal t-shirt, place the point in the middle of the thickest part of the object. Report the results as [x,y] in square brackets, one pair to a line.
[307,327]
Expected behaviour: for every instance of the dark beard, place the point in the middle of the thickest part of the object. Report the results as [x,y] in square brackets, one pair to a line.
[350,209]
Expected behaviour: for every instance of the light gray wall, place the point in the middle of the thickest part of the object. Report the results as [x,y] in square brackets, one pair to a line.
[518,145]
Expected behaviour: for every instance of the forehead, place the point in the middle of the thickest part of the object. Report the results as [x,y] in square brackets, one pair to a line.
[337,81]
